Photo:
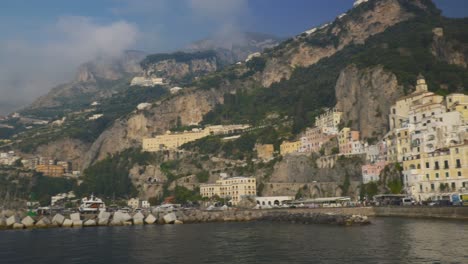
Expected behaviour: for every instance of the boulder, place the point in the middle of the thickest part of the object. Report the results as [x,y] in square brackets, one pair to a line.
[12,220]
[138,219]
[77,223]
[102,221]
[67,223]
[90,222]
[58,219]
[75,217]
[18,226]
[170,218]
[150,219]
[178,222]
[104,215]
[2,222]
[103,218]
[28,221]
[43,222]
[121,217]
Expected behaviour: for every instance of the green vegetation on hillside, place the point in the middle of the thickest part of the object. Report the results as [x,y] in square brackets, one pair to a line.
[404,49]
[77,125]
[110,177]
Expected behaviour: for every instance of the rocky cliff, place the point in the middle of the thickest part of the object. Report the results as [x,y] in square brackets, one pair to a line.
[181,71]
[354,27]
[449,50]
[66,149]
[365,97]
[188,108]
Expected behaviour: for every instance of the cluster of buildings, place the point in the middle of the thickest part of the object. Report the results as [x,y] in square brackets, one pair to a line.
[50,167]
[428,137]
[325,130]
[173,140]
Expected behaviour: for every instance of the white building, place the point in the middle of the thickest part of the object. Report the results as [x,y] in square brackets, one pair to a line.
[273,200]
[147,81]
[95,117]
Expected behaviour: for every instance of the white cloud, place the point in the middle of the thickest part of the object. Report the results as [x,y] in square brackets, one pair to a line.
[30,68]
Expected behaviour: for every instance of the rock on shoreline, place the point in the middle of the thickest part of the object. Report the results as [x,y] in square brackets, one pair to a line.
[180,217]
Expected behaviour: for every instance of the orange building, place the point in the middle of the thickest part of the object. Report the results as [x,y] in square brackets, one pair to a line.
[51,170]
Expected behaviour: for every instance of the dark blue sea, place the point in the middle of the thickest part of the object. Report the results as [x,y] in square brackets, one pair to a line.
[387,240]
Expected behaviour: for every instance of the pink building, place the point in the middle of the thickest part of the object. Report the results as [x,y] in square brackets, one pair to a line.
[371,172]
[313,139]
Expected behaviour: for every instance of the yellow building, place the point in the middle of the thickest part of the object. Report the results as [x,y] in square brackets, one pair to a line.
[430,174]
[289,147]
[265,152]
[231,188]
[172,141]
[331,118]
[51,170]
[459,103]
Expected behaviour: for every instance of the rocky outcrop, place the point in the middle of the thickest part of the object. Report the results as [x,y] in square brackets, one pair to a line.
[365,97]
[188,108]
[445,50]
[358,25]
[66,149]
[178,71]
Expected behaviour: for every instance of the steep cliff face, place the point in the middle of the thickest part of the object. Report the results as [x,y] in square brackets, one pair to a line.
[178,71]
[450,51]
[355,27]
[235,47]
[188,108]
[66,149]
[365,97]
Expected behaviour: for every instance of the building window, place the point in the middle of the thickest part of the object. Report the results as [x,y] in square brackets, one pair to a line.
[453,186]
[427,165]
[437,175]
[458,163]
[432,186]
[459,174]
[420,187]
[427,176]
[447,174]
[456,151]
[436,167]
[446,165]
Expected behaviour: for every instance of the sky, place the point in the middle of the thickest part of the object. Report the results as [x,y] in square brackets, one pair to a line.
[43,42]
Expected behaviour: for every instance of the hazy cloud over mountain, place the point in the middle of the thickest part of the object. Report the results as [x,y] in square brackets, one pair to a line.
[29,68]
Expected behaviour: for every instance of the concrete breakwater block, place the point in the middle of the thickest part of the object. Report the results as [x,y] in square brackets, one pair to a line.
[78,223]
[58,219]
[150,219]
[12,220]
[121,217]
[67,223]
[178,222]
[75,217]
[103,218]
[138,219]
[90,222]
[2,221]
[28,221]
[18,226]
[43,222]
[170,218]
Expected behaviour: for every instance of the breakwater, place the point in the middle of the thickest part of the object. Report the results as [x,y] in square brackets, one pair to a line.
[179,217]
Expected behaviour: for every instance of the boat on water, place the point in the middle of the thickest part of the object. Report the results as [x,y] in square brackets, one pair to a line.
[92,205]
